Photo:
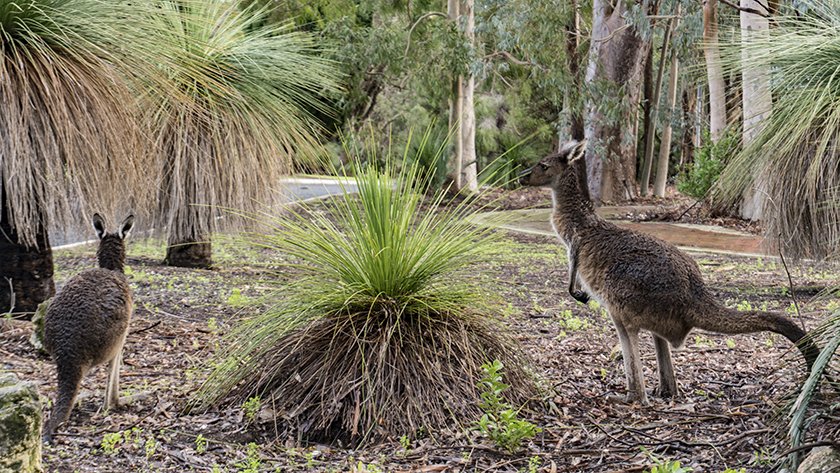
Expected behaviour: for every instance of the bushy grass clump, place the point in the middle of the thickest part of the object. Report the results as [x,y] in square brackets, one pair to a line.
[384,330]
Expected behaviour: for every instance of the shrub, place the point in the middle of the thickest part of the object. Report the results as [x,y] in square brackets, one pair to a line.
[383,330]
[500,422]
[708,164]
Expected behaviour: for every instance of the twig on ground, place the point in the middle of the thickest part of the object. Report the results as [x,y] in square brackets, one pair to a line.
[145,329]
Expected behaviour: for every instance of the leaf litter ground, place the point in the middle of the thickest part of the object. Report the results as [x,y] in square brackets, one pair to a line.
[729,412]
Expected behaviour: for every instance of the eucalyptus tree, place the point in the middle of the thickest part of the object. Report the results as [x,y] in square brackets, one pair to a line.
[244,93]
[617,54]
[69,138]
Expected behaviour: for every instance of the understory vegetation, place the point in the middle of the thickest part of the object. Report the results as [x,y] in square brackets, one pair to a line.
[384,330]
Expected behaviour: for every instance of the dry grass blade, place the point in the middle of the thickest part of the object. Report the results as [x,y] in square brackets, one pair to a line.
[70,141]
[234,113]
[796,154]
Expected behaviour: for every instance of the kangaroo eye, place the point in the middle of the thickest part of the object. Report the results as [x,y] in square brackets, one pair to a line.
[542,166]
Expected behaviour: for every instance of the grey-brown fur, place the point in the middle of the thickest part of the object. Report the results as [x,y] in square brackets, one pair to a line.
[643,282]
[87,322]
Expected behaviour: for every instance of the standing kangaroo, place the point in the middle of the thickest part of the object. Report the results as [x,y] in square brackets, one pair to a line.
[87,321]
[643,282]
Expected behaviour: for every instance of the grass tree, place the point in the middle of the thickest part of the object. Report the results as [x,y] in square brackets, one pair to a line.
[68,134]
[384,327]
[240,112]
[795,152]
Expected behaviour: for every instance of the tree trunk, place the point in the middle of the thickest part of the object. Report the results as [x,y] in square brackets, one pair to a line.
[189,247]
[757,104]
[690,105]
[462,163]
[714,71]
[647,95]
[469,167]
[665,143]
[573,55]
[650,133]
[616,55]
[26,272]
[195,252]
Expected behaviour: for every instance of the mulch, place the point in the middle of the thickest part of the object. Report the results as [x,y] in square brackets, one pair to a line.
[730,411]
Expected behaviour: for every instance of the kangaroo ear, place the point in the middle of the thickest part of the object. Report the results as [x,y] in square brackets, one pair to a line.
[577,152]
[125,226]
[98,225]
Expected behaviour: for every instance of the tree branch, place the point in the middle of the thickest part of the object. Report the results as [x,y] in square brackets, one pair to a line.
[424,16]
[746,9]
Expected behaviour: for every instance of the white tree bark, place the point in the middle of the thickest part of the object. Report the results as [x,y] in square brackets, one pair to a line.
[469,167]
[757,103]
[714,71]
[665,143]
[462,163]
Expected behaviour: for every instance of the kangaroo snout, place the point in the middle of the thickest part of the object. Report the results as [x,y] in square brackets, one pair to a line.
[524,176]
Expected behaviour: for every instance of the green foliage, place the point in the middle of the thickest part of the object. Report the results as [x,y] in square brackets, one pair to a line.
[826,335]
[500,422]
[669,466]
[251,408]
[709,161]
[252,461]
[200,444]
[110,442]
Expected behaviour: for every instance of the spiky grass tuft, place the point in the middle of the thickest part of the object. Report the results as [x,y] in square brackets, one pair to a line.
[385,328]
[796,153]
[235,110]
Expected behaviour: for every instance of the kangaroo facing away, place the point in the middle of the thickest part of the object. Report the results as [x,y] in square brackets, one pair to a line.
[643,282]
[87,322]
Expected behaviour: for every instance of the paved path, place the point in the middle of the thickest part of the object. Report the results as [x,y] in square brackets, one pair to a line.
[702,238]
[301,188]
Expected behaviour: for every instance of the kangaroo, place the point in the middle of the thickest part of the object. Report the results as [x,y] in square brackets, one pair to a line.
[87,322]
[643,282]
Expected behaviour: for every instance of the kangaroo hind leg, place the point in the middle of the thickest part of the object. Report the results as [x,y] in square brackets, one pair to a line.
[629,339]
[112,388]
[667,381]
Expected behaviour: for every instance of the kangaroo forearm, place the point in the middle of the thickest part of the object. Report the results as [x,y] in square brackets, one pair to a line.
[578,295]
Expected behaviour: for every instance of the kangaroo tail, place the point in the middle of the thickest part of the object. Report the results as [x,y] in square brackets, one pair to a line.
[69,379]
[724,320]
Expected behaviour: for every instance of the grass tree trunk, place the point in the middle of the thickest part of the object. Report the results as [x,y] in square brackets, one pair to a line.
[26,272]
[714,71]
[757,103]
[191,252]
[617,56]
[190,249]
